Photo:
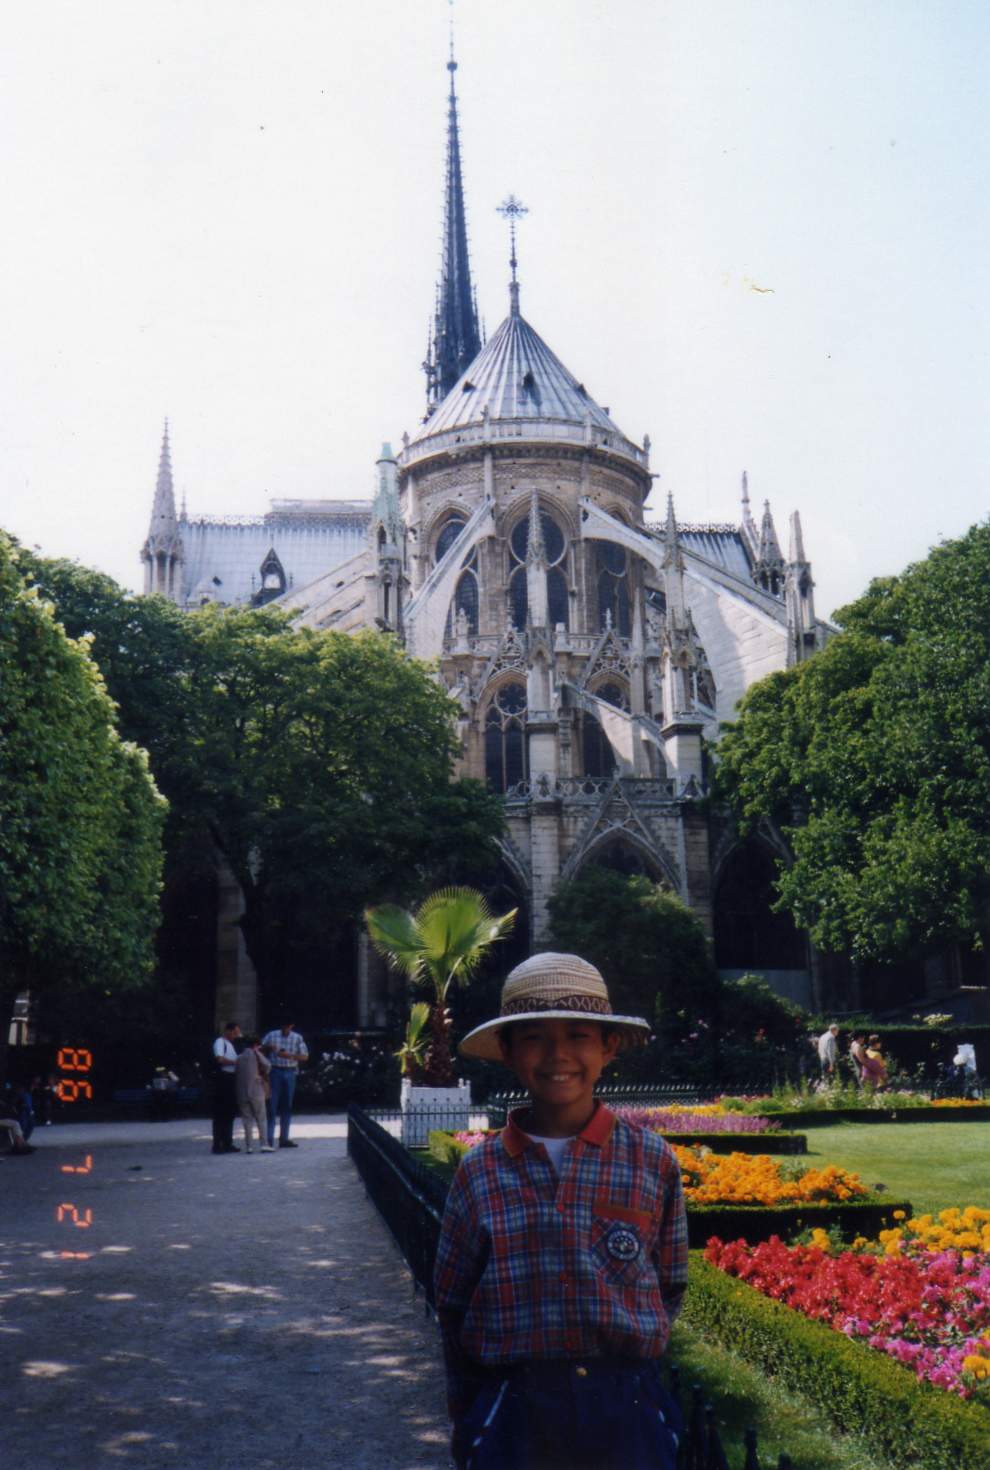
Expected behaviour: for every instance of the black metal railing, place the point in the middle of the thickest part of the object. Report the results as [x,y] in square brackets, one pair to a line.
[410,1199]
[642,1095]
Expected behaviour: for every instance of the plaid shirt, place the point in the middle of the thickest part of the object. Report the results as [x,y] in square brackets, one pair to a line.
[593,1264]
[293,1042]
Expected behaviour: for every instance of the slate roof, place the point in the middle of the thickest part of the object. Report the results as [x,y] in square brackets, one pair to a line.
[516,376]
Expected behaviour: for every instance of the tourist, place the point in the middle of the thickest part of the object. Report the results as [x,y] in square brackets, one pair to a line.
[857,1055]
[287,1050]
[19,1145]
[874,1066]
[828,1051]
[224,1089]
[251,1076]
[562,1259]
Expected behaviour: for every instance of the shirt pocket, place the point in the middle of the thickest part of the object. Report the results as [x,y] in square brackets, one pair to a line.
[621,1241]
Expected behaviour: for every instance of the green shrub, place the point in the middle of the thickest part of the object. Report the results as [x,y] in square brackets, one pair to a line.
[754,1223]
[742,1143]
[916,1426]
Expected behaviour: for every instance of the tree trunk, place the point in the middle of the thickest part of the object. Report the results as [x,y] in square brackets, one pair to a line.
[439,1068]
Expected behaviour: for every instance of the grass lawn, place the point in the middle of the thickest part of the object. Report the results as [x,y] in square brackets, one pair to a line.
[934,1165]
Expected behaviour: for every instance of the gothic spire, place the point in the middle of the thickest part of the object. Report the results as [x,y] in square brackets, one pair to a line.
[163,519]
[456,338]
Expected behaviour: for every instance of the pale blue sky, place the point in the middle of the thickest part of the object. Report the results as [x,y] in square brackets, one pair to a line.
[229,212]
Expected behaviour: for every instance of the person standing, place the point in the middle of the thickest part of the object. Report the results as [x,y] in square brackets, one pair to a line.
[828,1050]
[224,1089]
[857,1055]
[251,1074]
[287,1050]
[563,1252]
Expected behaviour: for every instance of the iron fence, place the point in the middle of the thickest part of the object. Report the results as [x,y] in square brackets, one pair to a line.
[410,1199]
[642,1095]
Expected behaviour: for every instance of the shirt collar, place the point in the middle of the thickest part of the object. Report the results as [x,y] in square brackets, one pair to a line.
[597,1131]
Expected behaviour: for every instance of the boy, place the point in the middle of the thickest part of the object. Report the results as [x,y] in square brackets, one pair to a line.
[563,1251]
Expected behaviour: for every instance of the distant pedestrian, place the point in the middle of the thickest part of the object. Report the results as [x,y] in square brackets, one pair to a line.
[251,1077]
[874,1066]
[287,1050]
[828,1050]
[224,1089]
[857,1055]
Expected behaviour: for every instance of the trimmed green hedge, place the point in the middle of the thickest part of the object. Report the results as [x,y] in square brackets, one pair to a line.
[754,1223]
[822,1116]
[916,1426]
[742,1143]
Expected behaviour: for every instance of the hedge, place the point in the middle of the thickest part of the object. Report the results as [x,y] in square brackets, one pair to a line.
[754,1223]
[813,1117]
[742,1143]
[914,1425]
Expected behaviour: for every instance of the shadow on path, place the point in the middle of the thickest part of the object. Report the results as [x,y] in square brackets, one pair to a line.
[163,1307]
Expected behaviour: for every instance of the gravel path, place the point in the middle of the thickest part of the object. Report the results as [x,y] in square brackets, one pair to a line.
[243,1311]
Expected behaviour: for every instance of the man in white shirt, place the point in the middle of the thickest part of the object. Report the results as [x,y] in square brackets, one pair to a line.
[286,1050]
[828,1050]
[225,1089]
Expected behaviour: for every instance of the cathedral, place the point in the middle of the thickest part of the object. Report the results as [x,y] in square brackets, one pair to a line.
[594,656]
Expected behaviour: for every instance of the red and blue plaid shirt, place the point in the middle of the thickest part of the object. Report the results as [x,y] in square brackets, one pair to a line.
[590,1264]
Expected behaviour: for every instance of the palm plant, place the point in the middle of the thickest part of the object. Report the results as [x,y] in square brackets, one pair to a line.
[442,943]
[412,1052]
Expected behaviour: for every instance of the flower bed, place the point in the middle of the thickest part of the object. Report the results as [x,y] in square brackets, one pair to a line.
[757,1179]
[920,1293]
[911,1424]
[700,1119]
[851,1105]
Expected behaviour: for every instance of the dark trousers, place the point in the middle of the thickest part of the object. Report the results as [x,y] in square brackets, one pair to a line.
[224,1110]
[602,1414]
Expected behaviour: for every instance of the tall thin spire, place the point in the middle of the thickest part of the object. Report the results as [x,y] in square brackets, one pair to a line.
[456,338]
[163,519]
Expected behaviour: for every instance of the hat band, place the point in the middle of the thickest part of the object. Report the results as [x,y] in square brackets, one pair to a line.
[594,1005]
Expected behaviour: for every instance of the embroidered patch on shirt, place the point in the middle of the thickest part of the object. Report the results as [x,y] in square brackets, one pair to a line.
[622,1243]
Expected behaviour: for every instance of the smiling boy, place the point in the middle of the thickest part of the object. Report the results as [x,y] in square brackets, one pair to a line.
[563,1251]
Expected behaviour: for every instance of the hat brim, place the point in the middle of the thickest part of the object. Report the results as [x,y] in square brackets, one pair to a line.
[483,1041]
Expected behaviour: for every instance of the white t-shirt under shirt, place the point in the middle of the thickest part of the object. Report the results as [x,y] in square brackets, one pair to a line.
[226,1054]
[555,1147]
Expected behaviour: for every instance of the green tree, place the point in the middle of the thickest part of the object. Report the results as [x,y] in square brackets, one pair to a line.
[649,946]
[317,764]
[80,816]
[443,943]
[873,759]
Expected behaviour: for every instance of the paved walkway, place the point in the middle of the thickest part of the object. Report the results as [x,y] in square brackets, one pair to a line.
[160,1307]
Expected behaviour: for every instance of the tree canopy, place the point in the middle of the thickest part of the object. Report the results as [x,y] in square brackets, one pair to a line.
[80,817]
[649,946]
[873,760]
[318,764]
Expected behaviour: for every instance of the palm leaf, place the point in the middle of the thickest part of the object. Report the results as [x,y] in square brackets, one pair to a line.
[395,934]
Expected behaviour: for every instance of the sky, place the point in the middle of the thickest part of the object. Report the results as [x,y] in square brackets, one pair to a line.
[757,232]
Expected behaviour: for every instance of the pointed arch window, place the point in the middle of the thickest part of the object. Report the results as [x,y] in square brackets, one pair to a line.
[612,575]
[466,596]
[597,753]
[273,580]
[505,737]
[555,543]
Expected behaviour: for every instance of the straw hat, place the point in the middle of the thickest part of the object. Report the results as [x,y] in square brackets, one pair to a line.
[550,987]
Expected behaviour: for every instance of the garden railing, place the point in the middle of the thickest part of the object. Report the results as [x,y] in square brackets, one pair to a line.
[410,1199]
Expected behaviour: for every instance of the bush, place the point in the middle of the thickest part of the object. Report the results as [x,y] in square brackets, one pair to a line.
[911,1424]
[350,1070]
[754,1223]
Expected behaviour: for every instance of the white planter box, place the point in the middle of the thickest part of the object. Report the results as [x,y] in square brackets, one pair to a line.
[425,1108]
